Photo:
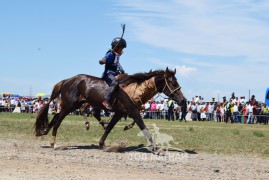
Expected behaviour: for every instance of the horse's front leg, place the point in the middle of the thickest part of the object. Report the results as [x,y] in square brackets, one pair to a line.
[109,127]
[96,113]
[133,112]
[140,123]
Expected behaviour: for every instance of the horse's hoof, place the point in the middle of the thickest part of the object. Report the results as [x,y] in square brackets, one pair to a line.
[159,151]
[87,124]
[101,145]
[45,132]
[126,128]
[38,134]
[52,144]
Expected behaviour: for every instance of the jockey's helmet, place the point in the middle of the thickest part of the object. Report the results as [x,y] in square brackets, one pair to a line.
[119,42]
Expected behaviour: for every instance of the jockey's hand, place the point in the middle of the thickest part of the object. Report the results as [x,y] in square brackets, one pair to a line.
[101,62]
[121,72]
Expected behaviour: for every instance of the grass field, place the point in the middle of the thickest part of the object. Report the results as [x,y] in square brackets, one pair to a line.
[200,137]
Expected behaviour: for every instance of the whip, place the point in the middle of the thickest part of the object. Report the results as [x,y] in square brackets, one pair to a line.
[123,30]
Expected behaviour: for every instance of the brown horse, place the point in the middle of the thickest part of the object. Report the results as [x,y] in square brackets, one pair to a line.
[133,91]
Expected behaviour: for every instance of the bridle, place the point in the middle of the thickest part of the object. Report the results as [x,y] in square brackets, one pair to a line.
[171,91]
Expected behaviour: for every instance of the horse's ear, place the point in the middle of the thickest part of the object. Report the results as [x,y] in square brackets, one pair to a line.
[150,71]
[166,72]
[175,71]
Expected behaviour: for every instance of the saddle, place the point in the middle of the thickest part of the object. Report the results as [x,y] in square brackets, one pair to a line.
[120,77]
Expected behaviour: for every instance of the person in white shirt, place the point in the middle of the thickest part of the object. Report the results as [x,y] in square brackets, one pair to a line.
[242,100]
[236,113]
[12,101]
[165,109]
[176,110]
[147,109]
[23,104]
[193,109]
[158,110]
[12,104]
[36,107]
[199,107]
[235,100]
[196,99]
[147,105]
[160,106]
[2,105]
[250,113]
[210,111]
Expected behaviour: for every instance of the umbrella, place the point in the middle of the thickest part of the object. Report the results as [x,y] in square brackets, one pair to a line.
[15,95]
[40,94]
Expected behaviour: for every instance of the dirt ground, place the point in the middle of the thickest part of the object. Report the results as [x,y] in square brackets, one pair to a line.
[34,159]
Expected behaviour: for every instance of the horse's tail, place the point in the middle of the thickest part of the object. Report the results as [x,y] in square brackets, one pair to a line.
[42,120]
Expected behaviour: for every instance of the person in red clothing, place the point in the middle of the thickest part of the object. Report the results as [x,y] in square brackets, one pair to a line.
[218,117]
[153,106]
[244,112]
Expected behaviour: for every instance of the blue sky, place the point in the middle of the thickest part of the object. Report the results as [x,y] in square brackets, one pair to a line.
[217,47]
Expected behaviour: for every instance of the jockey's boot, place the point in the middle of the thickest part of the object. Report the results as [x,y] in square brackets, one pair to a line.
[107,105]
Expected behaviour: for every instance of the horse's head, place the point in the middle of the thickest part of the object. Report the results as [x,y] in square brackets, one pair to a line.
[171,88]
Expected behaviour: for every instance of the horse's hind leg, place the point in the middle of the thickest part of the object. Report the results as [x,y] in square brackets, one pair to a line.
[84,114]
[56,125]
[51,124]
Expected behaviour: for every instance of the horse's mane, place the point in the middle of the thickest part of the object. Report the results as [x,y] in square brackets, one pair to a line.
[139,77]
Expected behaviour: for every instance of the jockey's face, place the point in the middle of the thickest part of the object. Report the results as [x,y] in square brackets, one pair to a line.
[119,50]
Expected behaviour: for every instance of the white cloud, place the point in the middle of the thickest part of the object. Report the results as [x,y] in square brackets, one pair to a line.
[220,28]
[221,44]
[184,70]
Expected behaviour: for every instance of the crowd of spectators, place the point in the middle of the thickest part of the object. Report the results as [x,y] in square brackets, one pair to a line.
[233,110]
[162,109]
[25,104]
